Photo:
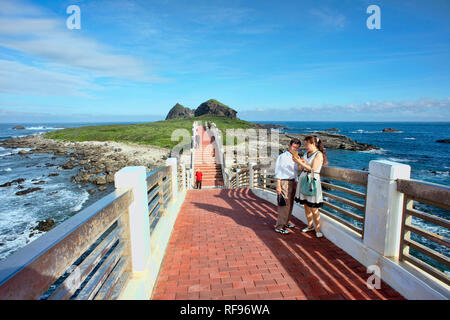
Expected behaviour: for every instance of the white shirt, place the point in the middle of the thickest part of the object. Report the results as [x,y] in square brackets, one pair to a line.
[285,167]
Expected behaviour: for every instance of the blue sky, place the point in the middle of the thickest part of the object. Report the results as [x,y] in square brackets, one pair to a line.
[269,60]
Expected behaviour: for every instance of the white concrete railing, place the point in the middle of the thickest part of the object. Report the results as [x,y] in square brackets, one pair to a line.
[220,154]
[148,245]
[379,246]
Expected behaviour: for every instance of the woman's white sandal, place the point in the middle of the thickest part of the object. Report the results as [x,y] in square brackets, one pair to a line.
[319,234]
[308,229]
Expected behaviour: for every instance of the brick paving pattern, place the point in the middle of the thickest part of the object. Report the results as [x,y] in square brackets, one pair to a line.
[223,247]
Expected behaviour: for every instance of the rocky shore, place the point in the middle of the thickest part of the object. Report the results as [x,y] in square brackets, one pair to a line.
[97,162]
[330,141]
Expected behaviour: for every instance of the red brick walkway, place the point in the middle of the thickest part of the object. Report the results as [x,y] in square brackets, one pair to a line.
[223,247]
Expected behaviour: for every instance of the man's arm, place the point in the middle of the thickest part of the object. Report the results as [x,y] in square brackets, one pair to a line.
[277,175]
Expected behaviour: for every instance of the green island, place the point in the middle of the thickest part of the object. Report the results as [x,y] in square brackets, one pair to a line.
[154,133]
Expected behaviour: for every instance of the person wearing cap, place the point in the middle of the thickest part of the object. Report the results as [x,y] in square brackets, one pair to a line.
[286,176]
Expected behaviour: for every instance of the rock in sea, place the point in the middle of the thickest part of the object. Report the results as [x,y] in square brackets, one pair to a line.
[389,130]
[29,190]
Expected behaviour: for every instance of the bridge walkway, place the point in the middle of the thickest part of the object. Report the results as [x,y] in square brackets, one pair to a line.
[223,247]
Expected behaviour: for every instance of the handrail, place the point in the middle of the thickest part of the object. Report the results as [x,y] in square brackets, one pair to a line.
[220,153]
[434,195]
[158,188]
[29,272]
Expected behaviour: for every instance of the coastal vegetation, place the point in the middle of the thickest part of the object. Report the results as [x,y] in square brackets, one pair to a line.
[155,133]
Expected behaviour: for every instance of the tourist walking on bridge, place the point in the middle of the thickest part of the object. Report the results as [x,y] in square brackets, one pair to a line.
[286,175]
[311,164]
[198,179]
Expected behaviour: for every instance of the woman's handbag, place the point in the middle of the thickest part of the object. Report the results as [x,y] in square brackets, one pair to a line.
[308,185]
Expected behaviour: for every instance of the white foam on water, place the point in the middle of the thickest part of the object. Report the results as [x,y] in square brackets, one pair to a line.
[6,154]
[17,220]
[364,131]
[401,160]
[376,151]
[81,200]
[7,170]
[409,138]
[42,128]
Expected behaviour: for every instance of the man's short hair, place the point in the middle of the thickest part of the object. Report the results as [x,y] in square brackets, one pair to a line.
[295,141]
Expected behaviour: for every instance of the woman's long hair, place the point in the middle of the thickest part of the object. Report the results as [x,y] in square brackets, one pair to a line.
[319,145]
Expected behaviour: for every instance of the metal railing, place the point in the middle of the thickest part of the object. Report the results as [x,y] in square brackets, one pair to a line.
[427,244]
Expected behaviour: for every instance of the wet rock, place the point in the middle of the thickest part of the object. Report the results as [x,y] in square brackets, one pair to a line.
[39,182]
[332,129]
[82,177]
[100,180]
[18,128]
[91,191]
[45,225]
[68,165]
[389,130]
[8,184]
[443,141]
[110,178]
[53,174]
[52,193]
[29,190]
[22,152]
[102,188]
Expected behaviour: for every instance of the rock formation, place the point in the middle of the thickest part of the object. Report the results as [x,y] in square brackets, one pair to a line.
[179,111]
[214,107]
[211,107]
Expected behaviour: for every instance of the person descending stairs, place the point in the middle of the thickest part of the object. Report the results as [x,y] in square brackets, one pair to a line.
[205,160]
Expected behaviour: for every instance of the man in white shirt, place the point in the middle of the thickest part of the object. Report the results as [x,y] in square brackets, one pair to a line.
[286,175]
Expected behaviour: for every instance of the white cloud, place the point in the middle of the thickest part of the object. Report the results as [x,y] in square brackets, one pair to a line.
[18,78]
[419,110]
[48,40]
[328,17]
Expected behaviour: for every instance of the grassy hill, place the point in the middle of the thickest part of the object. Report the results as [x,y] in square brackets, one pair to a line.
[155,133]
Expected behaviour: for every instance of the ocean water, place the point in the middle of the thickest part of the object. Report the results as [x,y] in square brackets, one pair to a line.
[59,198]
[415,145]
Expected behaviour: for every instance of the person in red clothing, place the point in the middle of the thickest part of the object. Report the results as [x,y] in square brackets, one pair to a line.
[198,178]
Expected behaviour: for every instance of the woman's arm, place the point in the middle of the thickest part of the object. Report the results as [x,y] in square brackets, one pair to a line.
[318,160]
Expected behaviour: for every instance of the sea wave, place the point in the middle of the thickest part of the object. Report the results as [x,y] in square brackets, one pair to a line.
[409,138]
[364,131]
[82,199]
[401,160]
[376,151]
[42,128]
